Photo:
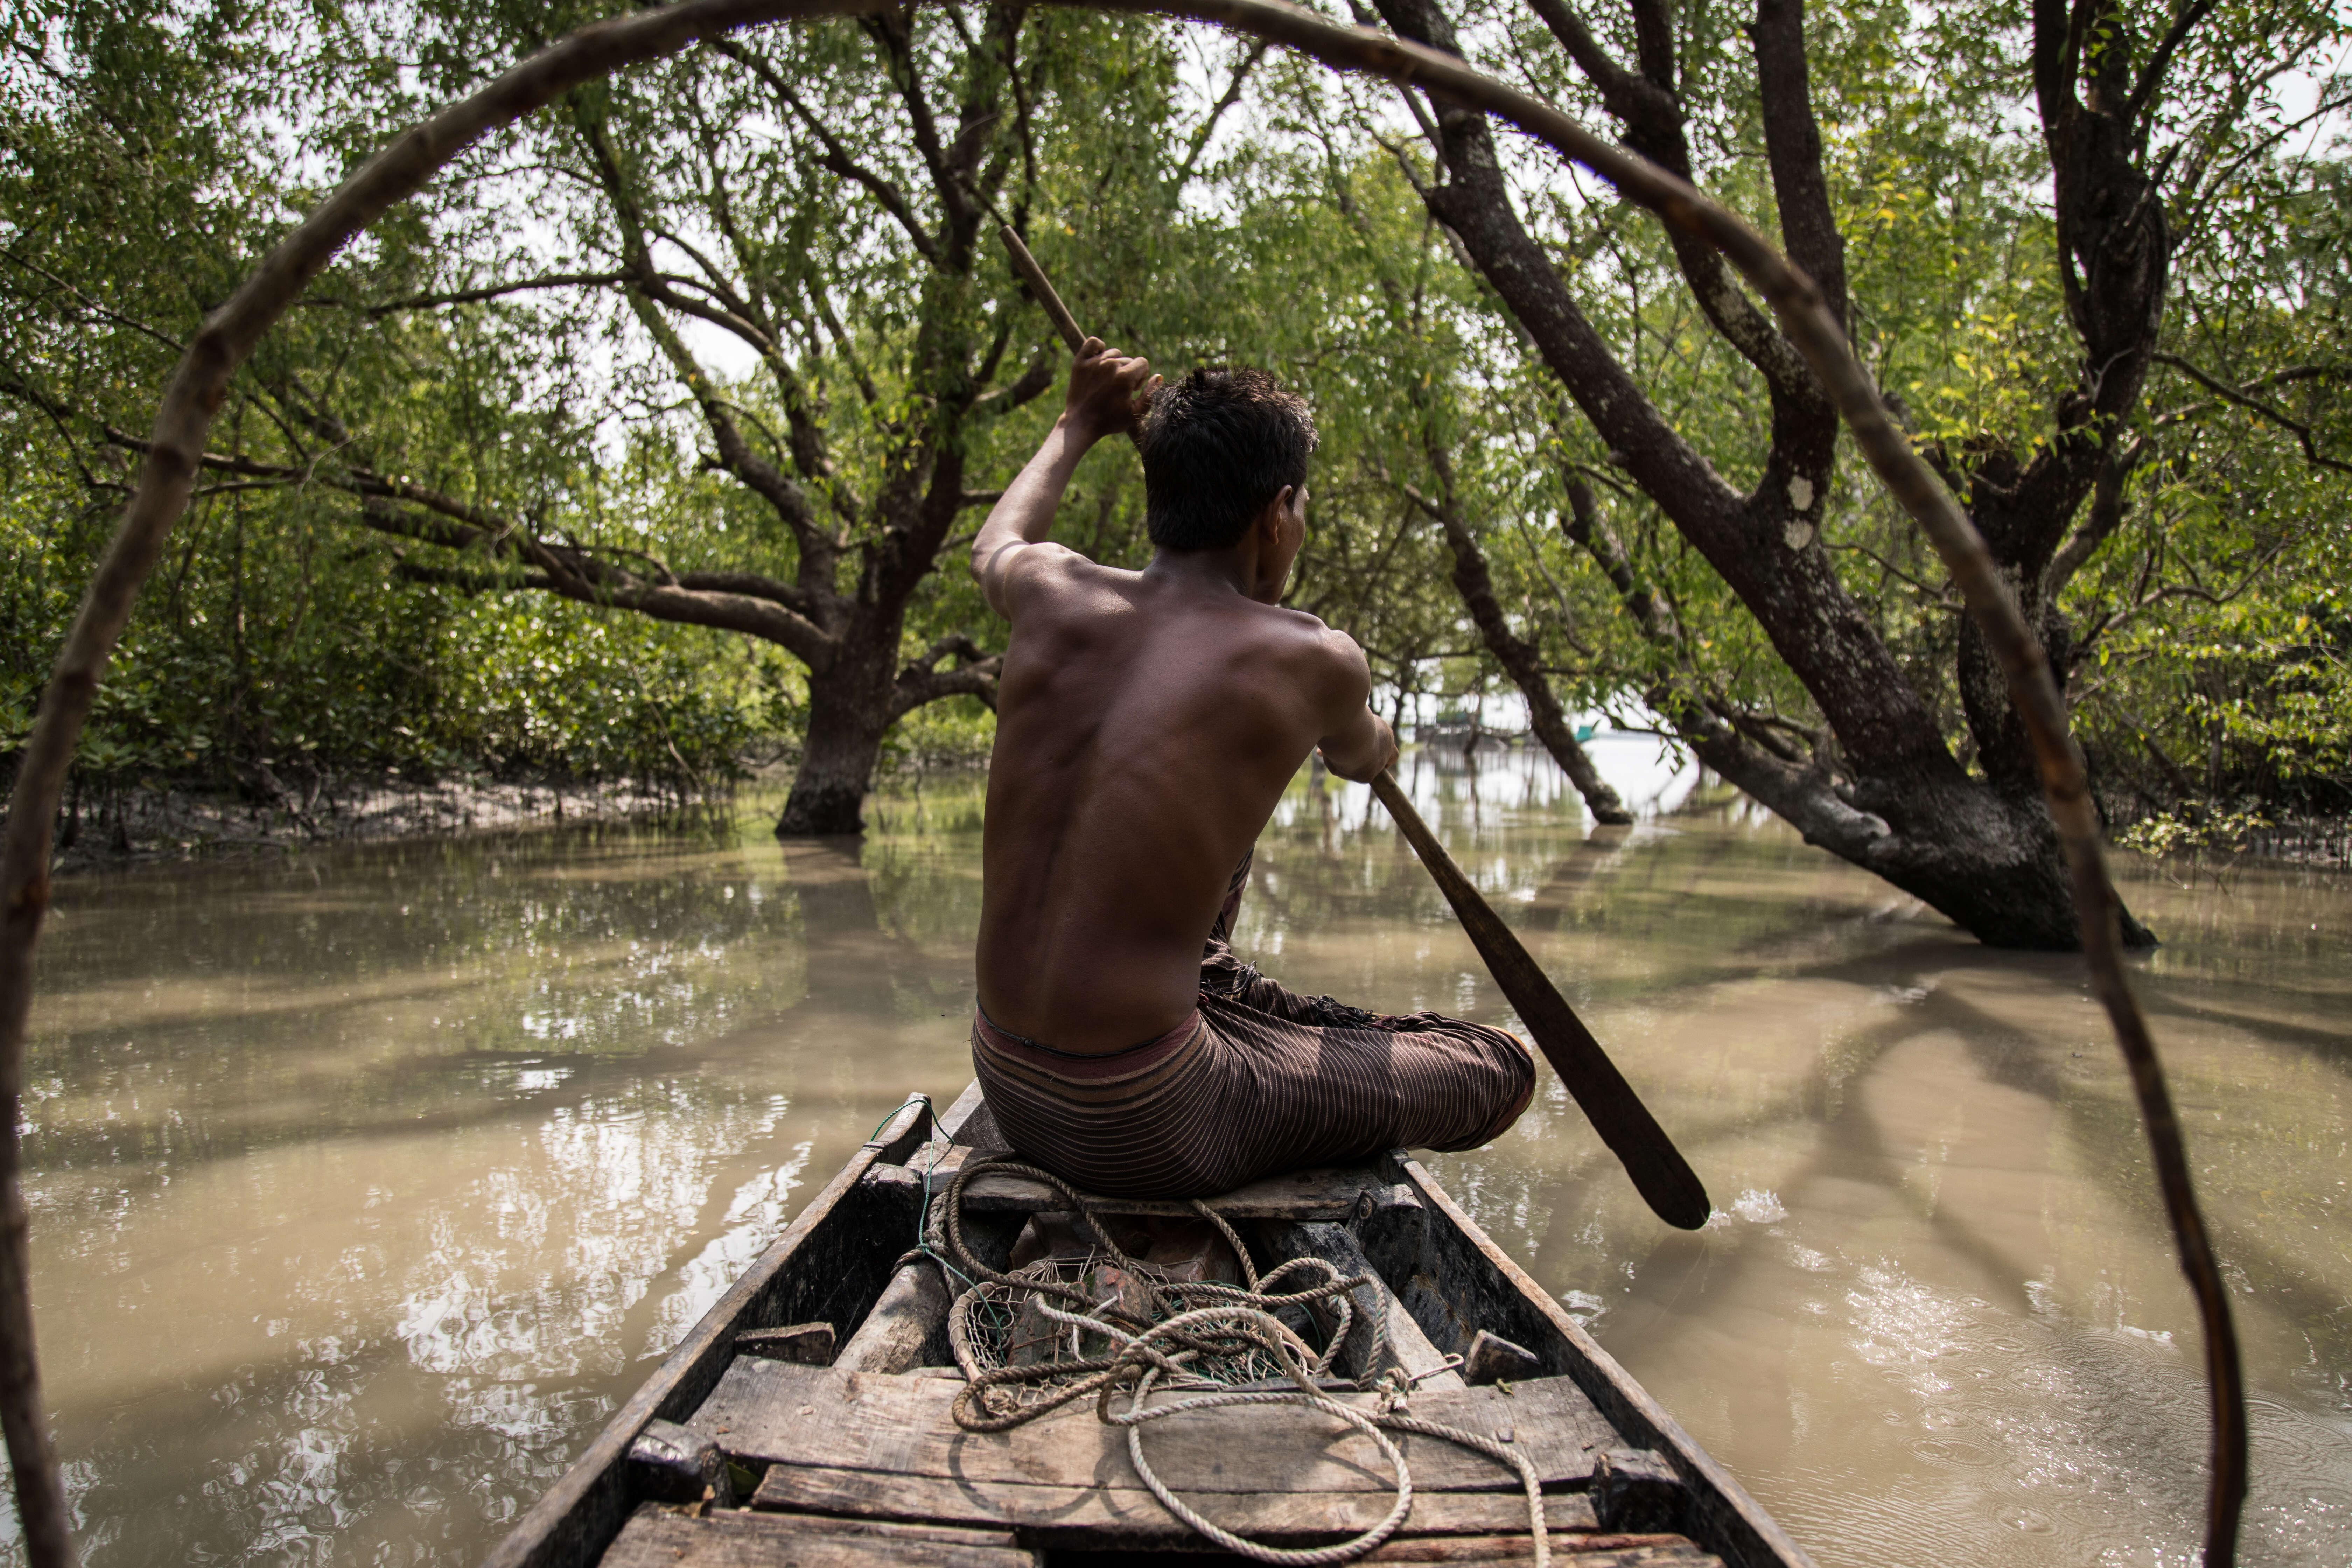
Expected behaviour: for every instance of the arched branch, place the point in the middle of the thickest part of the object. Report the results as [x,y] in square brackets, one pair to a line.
[194,396]
[200,386]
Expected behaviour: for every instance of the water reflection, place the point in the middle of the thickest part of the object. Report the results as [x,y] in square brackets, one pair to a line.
[365,1186]
[1938,1318]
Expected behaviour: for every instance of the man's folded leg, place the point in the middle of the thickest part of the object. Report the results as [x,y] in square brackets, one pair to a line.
[1344,1083]
[1260,1081]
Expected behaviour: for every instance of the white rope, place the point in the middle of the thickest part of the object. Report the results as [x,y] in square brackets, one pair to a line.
[1235,1318]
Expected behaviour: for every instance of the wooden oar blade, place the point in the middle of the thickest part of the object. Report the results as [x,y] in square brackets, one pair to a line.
[1659,1171]
[1657,1168]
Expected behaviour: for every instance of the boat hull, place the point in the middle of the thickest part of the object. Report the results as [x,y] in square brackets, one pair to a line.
[852,1484]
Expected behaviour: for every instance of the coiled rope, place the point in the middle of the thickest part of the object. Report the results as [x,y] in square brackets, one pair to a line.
[1201,1334]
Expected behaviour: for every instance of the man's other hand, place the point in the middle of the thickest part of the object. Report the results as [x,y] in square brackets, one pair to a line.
[1109,392]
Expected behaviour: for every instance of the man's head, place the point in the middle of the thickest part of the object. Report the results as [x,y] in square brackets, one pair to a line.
[1220,448]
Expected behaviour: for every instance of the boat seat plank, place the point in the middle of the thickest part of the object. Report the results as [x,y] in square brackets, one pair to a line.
[1592,1552]
[1321,1193]
[778,1413]
[1074,1517]
[658,1537]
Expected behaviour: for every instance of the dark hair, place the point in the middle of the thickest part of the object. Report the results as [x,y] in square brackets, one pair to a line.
[1217,446]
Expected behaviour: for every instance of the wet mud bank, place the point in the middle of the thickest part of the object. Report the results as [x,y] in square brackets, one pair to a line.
[141,824]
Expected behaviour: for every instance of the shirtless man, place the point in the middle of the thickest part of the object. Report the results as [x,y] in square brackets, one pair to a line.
[1147,724]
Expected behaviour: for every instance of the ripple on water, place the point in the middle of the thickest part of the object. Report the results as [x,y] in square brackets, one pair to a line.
[2053,1442]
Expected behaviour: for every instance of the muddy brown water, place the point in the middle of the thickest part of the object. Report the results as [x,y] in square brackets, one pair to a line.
[364,1184]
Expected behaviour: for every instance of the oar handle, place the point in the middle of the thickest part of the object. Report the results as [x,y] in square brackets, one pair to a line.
[1659,1171]
[1034,276]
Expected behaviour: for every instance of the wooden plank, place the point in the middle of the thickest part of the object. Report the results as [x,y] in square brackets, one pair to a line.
[774,1411]
[957,1118]
[973,1123]
[811,1345]
[1324,1192]
[1633,1489]
[658,1537]
[1404,1346]
[906,1326]
[1597,1552]
[571,1523]
[1065,1517]
[1465,1281]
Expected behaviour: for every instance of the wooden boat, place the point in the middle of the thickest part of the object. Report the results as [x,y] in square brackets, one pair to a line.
[806,1420]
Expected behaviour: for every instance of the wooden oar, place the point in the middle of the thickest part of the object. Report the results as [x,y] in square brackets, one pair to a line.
[1617,1114]
[1034,276]
[1659,1171]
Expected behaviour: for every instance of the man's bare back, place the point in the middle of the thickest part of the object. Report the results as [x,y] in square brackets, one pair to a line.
[1147,724]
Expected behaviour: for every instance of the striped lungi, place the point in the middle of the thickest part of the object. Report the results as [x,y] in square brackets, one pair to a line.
[1258,1081]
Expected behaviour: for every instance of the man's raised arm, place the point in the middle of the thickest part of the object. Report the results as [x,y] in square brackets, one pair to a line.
[1107,396]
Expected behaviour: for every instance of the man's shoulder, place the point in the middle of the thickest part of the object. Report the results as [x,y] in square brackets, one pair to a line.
[1046,559]
[1304,640]
[1047,575]
[1312,637]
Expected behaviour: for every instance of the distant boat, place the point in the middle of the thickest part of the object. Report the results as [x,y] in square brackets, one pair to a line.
[1586,731]
[806,1419]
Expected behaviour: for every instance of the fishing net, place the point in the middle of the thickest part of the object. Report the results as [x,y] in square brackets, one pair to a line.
[1015,1326]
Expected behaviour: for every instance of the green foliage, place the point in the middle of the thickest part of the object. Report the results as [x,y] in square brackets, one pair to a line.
[274,646]
[158,150]
[2207,645]
[2166,833]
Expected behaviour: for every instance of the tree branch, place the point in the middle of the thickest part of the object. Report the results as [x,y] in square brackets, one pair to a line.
[2242,396]
[2106,515]
[821,301]
[470,296]
[893,31]
[975,674]
[699,599]
[1633,100]
[1232,95]
[1521,660]
[648,289]
[1590,532]
[1651,111]
[1030,384]
[836,157]
[2151,76]
[92,306]
[1792,146]
[472,584]
[751,585]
